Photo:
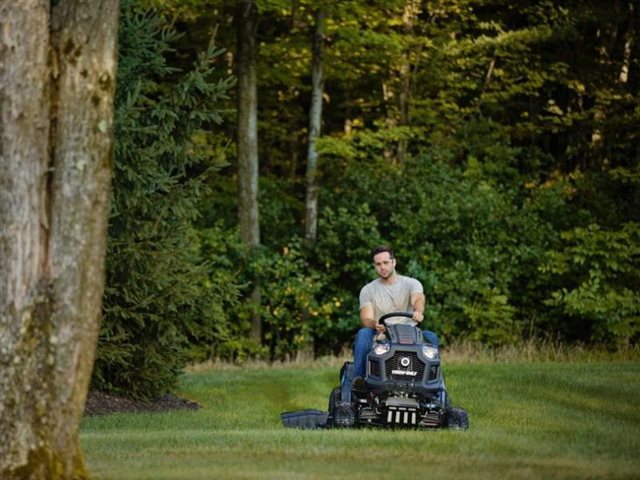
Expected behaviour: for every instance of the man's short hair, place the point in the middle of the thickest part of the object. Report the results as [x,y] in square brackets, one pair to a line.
[382,249]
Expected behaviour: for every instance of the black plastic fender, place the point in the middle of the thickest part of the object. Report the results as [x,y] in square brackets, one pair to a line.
[305,419]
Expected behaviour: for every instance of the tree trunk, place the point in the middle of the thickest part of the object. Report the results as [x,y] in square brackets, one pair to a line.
[399,85]
[629,36]
[57,78]
[315,122]
[247,142]
[409,17]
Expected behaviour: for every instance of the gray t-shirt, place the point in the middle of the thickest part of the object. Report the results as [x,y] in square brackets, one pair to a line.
[390,298]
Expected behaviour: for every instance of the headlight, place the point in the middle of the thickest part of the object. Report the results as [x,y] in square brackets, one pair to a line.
[381,348]
[430,352]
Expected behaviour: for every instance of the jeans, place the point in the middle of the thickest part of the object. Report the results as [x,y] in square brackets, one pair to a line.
[362,345]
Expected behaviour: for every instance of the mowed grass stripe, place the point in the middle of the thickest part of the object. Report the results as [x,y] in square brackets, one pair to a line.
[528,420]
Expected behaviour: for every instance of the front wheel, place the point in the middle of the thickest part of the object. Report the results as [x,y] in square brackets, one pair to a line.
[341,414]
[334,397]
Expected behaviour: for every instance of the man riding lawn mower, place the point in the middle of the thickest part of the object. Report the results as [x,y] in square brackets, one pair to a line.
[395,379]
[403,387]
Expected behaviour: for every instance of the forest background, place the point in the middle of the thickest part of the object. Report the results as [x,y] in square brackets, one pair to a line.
[493,144]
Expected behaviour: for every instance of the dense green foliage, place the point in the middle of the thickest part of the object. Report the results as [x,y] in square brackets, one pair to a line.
[528,420]
[160,296]
[494,145]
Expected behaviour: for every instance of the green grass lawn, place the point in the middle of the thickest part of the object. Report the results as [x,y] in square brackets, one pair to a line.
[527,420]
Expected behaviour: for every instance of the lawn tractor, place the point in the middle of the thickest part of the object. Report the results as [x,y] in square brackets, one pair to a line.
[403,387]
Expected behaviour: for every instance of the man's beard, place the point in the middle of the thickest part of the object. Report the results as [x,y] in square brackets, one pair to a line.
[389,274]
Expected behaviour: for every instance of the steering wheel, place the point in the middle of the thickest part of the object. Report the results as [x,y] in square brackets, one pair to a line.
[381,320]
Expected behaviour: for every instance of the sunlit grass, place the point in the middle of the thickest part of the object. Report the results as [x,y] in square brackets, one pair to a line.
[528,420]
[464,352]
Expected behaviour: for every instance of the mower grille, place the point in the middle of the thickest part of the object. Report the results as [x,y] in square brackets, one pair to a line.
[402,416]
[404,366]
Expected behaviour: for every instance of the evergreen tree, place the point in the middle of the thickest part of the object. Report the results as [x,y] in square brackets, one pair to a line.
[159,297]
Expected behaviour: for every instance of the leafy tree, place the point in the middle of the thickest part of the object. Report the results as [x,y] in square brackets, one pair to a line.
[599,268]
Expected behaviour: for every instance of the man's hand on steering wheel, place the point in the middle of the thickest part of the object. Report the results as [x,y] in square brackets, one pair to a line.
[416,316]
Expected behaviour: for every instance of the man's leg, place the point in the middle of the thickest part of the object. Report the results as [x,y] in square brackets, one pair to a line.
[361,347]
[431,338]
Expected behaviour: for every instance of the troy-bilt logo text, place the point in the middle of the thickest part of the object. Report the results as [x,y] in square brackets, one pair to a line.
[404,372]
[405,362]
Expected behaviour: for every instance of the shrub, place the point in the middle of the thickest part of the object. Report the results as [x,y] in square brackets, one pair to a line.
[598,269]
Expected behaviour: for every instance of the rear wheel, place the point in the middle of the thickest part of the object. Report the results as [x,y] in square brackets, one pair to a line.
[457,418]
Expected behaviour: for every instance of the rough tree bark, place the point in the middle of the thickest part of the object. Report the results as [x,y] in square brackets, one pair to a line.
[57,78]
[315,122]
[247,141]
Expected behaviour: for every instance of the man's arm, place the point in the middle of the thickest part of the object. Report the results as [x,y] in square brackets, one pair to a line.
[417,303]
[367,318]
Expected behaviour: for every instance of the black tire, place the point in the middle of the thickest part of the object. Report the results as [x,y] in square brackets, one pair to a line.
[341,414]
[457,418]
[334,397]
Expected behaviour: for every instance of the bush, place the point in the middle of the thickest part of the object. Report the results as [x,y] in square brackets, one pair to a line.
[598,269]
[473,240]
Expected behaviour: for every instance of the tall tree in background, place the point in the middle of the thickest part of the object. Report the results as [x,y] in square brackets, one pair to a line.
[409,19]
[315,123]
[247,139]
[57,80]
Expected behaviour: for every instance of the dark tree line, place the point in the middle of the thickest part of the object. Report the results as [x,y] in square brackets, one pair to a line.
[493,144]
